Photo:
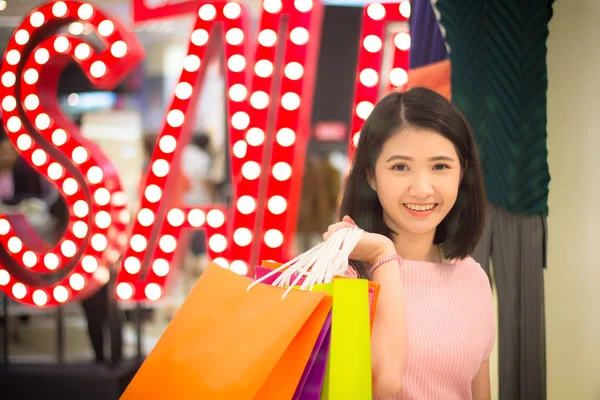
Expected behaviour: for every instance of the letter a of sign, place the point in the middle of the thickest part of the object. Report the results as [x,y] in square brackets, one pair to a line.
[268,132]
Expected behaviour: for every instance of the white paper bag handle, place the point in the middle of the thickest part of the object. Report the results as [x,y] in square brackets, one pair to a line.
[319,264]
[335,263]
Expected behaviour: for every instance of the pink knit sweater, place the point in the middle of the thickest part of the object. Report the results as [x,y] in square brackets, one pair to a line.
[451,328]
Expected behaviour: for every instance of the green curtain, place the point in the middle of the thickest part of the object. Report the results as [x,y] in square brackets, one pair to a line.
[499,80]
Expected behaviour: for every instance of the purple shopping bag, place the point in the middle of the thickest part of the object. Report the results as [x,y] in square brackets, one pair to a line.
[311,383]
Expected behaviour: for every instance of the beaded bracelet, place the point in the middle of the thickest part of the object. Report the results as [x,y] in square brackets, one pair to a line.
[383,261]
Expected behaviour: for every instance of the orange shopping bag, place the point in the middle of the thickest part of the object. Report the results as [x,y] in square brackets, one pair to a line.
[227,342]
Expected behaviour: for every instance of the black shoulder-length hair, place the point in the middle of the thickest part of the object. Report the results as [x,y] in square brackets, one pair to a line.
[460,230]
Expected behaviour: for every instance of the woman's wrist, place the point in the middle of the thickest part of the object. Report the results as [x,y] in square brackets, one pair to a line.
[392,258]
[387,250]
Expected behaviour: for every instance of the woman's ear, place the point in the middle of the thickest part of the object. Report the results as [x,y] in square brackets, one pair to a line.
[371,181]
[462,173]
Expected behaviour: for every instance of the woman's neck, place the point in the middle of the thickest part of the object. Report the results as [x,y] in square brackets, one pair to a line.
[417,247]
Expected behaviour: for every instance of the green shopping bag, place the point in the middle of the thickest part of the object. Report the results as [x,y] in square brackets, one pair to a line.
[348,373]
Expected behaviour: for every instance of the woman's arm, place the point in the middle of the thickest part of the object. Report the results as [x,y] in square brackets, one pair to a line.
[389,338]
[480,387]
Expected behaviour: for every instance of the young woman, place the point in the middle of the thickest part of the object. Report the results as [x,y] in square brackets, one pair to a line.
[416,189]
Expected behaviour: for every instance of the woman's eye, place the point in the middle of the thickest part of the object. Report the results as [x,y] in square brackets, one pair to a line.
[400,167]
[440,167]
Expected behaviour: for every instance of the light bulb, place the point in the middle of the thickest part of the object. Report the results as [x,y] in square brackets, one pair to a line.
[118,49]
[246,205]
[238,92]
[405,9]
[9,79]
[272,6]
[372,43]
[236,63]
[232,10]
[267,37]
[299,36]
[183,90]
[294,71]
[242,237]
[273,238]
[196,218]
[191,63]
[255,137]
[59,9]
[369,77]
[251,170]
[85,12]
[207,12]
[234,36]
[282,171]
[106,28]
[286,137]
[215,218]
[98,69]
[402,41]
[61,44]
[364,109]
[239,149]
[376,11]
[398,76]
[259,100]
[199,37]
[263,68]
[277,205]
[37,19]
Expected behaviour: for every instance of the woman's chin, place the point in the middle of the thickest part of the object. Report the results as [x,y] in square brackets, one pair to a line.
[420,228]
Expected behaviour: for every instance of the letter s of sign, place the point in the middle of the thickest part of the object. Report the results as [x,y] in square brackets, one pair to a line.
[32,272]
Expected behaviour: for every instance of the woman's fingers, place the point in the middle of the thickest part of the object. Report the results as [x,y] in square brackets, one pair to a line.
[349,220]
[336,227]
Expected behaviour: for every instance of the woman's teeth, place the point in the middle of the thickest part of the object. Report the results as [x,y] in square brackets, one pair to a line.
[420,207]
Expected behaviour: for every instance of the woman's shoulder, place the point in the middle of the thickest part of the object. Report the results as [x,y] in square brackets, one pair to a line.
[470,266]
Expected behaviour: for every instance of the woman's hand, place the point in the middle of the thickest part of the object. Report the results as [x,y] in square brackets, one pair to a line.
[371,248]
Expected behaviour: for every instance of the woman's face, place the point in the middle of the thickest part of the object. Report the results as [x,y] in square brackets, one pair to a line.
[416,178]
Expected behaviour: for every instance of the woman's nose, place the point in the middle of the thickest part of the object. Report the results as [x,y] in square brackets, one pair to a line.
[421,187]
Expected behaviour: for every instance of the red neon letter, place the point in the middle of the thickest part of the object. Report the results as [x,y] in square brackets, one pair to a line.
[257,118]
[366,93]
[84,176]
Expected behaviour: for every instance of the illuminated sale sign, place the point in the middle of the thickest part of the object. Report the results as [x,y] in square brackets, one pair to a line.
[269,98]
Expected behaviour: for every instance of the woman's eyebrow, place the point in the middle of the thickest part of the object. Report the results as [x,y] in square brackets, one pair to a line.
[406,158]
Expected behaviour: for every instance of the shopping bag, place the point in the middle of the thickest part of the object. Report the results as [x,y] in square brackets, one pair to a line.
[228,342]
[311,383]
[269,266]
[348,373]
